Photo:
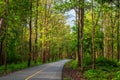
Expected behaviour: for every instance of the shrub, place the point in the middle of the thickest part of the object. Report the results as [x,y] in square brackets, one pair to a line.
[74,64]
[101,61]
[117,76]
[95,74]
[87,61]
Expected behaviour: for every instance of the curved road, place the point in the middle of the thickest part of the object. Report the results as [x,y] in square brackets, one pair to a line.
[50,71]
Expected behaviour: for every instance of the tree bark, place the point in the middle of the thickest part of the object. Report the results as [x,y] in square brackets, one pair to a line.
[1,21]
[5,29]
[118,32]
[36,32]
[80,33]
[112,34]
[79,60]
[1,42]
[30,38]
[93,32]
[44,34]
[105,36]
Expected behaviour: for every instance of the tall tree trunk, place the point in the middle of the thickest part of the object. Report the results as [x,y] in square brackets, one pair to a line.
[5,24]
[93,32]
[30,38]
[102,24]
[105,36]
[21,41]
[76,17]
[44,34]
[118,32]
[79,60]
[1,42]
[112,34]
[1,53]
[36,32]
[80,33]
[112,43]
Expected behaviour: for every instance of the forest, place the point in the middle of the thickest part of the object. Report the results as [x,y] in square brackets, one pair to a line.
[34,32]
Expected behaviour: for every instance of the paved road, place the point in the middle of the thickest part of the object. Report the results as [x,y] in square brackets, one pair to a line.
[50,71]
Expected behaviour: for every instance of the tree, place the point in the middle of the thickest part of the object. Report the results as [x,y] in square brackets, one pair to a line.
[118,32]
[80,33]
[30,38]
[93,33]
[36,33]
[5,25]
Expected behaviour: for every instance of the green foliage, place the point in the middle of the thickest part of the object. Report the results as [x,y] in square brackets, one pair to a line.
[67,78]
[87,61]
[101,61]
[104,1]
[93,74]
[117,76]
[1,70]
[74,64]
[103,74]
[105,70]
[13,67]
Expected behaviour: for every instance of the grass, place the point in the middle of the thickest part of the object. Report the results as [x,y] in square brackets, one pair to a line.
[71,64]
[1,69]
[14,67]
[67,78]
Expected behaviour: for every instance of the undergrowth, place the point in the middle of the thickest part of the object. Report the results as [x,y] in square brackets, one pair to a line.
[105,70]
[14,67]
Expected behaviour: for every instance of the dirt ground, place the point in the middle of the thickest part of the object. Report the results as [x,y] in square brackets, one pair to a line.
[72,74]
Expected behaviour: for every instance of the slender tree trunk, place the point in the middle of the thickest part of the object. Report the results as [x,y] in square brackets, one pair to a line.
[49,46]
[112,43]
[1,43]
[30,38]
[21,42]
[105,36]
[5,24]
[44,34]
[102,24]
[112,34]
[93,32]
[80,33]
[76,17]
[79,60]
[1,22]
[118,32]
[36,32]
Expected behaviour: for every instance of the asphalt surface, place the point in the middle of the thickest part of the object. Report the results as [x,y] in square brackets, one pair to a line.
[50,71]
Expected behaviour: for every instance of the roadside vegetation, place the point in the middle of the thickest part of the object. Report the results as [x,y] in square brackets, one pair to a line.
[15,67]
[105,70]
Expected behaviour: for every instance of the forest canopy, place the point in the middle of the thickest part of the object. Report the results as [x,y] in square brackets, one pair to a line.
[33,31]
